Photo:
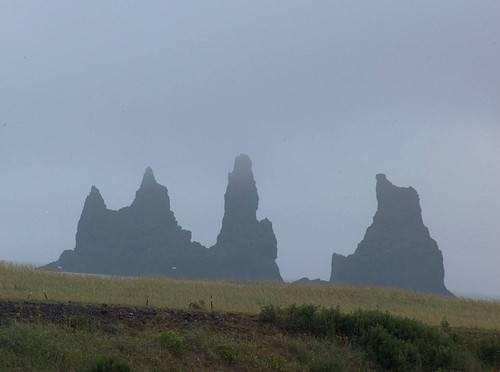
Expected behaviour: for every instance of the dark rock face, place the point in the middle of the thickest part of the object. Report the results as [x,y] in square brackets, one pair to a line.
[143,238]
[146,239]
[246,248]
[397,250]
[306,280]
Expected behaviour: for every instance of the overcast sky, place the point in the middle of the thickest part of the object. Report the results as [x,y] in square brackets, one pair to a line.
[321,94]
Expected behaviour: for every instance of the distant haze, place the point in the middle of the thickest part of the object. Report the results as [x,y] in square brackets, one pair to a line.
[322,95]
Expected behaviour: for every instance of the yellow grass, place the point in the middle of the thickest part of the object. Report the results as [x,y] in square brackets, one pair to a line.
[22,283]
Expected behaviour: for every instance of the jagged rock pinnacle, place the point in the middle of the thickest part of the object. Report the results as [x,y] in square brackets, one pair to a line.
[149,178]
[397,250]
[151,195]
[146,239]
[246,248]
[397,205]
[94,202]
[141,239]
[243,165]
[241,198]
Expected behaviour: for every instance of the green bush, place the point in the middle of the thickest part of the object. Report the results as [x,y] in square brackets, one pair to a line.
[488,351]
[268,314]
[227,351]
[172,342]
[110,365]
[392,342]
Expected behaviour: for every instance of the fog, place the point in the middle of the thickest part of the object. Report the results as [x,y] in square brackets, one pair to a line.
[322,95]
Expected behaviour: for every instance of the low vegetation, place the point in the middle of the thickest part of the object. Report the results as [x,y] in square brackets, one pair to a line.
[63,322]
[295,338]
[25,283]
[390,342]
[172,341]
[27,346]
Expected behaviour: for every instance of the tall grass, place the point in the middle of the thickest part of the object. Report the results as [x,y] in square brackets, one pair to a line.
[21,283]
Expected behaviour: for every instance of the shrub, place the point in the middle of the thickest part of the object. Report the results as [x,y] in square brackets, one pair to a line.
[110,365]
[392,342]
[445,325]
[172,342]
[488,351]
[227,351]
[268,314]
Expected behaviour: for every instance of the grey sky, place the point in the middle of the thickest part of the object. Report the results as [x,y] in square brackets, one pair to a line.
[322,94]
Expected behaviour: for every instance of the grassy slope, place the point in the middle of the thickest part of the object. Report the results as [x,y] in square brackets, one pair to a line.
[21,283]
[50,336]
[62,335]
[70,338]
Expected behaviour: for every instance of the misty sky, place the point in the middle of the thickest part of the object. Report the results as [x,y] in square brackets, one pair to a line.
[321,94]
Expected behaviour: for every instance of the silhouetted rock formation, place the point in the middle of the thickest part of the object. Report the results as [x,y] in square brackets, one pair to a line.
[246,248]
[306,280]
[397,250]
[145,238]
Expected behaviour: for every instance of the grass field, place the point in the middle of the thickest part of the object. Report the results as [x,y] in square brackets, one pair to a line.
[76,340]
[22,283]
[65,322]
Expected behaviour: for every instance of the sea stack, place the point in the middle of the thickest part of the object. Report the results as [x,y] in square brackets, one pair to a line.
[246,248]
[146,239]
[397,250]
[142,239]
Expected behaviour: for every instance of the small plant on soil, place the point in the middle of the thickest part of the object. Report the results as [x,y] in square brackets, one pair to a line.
[110,365]
[198,305]
[173,342]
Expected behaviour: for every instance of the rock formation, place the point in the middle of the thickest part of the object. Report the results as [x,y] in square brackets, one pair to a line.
[142,239]
[397,250]
[307,281]
[246,248]
[145,238]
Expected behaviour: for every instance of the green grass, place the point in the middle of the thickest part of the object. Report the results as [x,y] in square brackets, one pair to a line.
[21,283]
[302,327]
[296,338]
[172,341]
[390,342]
[45,347]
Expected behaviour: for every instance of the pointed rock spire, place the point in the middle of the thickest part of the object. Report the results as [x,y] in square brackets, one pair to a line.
[397,250]
[143,238]
[146,239]
[246,248]
[151,193]
[93,216]
[148,180]
[94,204]
[243,166]
[241,198]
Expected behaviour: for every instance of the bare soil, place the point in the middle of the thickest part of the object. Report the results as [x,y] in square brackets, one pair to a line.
[108,316]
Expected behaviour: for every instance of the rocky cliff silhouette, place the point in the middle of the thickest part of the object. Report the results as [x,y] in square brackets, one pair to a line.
[146,239]
[246,248]
[397,250]
[142,239]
